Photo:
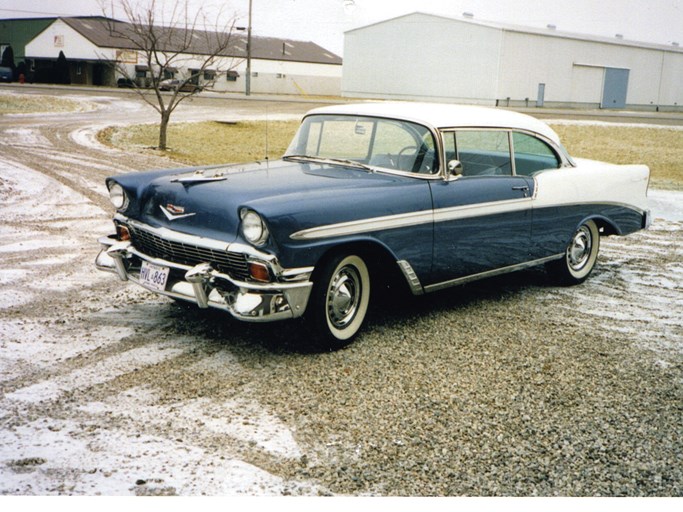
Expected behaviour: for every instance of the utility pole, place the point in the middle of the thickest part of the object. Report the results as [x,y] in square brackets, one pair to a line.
[248,91]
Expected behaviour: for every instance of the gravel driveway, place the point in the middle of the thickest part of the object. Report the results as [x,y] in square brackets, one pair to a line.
[509,386]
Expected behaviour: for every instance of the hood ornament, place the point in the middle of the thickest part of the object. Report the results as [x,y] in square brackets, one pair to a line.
[199,176]
[173,212]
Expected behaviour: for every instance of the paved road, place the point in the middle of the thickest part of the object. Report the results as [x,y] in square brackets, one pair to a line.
[263,103]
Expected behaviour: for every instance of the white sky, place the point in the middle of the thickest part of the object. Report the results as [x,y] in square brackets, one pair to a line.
[324,21]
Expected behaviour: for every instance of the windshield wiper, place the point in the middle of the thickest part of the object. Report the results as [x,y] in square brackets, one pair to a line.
[330,161]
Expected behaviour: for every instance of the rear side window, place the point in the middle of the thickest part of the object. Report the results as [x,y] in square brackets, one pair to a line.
[532,154]
[481,152]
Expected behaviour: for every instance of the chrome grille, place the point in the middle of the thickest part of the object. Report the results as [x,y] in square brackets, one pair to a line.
[231,263]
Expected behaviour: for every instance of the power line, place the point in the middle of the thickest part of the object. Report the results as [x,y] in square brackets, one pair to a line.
[36,12]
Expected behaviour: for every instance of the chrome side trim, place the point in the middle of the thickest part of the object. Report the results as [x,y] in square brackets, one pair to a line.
[411,277]
[365,225]
[467,211]
[403,220]
[538,205]
[481,209]
[490,273]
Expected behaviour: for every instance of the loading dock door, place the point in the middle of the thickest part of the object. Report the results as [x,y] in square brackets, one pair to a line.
[614,88]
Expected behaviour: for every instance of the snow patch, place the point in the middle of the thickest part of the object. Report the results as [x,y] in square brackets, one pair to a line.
[59,457]
[587,122]
[666,204]
[99,373]
[40,196]
[240,419]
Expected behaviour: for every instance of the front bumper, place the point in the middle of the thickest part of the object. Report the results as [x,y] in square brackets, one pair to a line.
[207,287]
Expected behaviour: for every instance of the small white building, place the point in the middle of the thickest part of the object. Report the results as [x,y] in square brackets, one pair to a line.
[92,45]
[436,58]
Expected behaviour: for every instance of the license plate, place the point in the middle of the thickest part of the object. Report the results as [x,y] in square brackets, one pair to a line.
[153,276]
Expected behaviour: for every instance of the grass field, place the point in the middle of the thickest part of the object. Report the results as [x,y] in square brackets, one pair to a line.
[209,142]
[30,104]
[212,143]
[659,148]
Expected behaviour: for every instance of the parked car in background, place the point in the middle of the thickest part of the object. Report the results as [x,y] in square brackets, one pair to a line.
[125,83]
[428,195]
[173,84]
[6,74]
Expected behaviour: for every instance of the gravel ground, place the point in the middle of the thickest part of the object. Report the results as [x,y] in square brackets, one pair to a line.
[506,387]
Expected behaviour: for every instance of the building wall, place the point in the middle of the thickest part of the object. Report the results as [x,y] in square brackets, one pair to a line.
[17,33]
[422,56]
[671,84]
[281,77]
[61,37]
[573,70]
[428,57]
[271,77]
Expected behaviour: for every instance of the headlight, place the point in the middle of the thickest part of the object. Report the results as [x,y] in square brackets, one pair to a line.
[118,196]
[253,227]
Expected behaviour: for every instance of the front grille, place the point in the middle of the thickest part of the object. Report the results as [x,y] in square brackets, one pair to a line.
[232,263]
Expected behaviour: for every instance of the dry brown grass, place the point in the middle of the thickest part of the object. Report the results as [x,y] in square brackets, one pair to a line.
[660,149]
[209,142]
[214,143]
[30,104]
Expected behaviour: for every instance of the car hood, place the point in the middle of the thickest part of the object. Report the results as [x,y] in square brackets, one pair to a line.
[291,196]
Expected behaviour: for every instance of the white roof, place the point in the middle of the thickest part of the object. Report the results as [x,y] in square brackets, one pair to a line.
[444,115]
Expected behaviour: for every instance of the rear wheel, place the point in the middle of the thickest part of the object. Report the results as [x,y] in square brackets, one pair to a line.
[579,257]
[339,301]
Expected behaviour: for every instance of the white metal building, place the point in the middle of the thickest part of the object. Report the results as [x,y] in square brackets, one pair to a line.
[436,58]
[279,66]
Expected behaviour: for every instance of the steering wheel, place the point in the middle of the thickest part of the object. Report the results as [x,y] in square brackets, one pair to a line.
[400,153]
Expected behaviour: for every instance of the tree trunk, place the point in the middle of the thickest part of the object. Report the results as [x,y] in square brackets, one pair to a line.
[163,125]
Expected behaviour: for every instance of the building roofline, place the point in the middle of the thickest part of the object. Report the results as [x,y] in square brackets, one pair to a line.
[263,47]
[546,32]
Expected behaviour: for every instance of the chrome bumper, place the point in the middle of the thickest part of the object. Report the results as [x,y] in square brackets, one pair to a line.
[647,221]
[206,287]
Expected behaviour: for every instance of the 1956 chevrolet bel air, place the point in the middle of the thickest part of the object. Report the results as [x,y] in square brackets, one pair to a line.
[437,195]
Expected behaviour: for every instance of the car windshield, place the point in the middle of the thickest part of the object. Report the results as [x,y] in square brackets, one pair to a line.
[374,142]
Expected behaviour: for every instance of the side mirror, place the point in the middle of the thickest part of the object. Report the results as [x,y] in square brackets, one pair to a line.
[455,167]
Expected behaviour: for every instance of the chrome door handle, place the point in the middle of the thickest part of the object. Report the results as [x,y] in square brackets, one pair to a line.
[523,188]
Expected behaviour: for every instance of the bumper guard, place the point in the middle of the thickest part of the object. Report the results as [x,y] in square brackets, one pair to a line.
[207,287]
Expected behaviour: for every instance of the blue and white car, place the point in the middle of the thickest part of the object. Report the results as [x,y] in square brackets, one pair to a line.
[366,195]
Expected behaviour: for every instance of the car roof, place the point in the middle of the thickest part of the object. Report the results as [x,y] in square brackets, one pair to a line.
[444,115]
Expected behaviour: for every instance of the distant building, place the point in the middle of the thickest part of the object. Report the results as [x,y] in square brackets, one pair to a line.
[435,58]
[18,32]
[92,45]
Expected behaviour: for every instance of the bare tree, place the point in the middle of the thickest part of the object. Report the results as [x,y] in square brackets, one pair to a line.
[186,43]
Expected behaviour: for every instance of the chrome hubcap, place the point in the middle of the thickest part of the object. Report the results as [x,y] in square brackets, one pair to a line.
[343,296]
[579,251]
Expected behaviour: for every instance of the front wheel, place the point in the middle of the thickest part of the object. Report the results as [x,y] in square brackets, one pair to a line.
[579,257]
[339,301]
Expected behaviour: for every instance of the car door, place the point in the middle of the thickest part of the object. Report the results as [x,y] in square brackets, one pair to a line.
[482,218]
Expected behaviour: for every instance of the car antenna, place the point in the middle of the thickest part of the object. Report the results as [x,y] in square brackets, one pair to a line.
[267,137]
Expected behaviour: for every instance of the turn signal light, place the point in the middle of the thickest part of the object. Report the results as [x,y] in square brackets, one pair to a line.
[259,272]
[122,233]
